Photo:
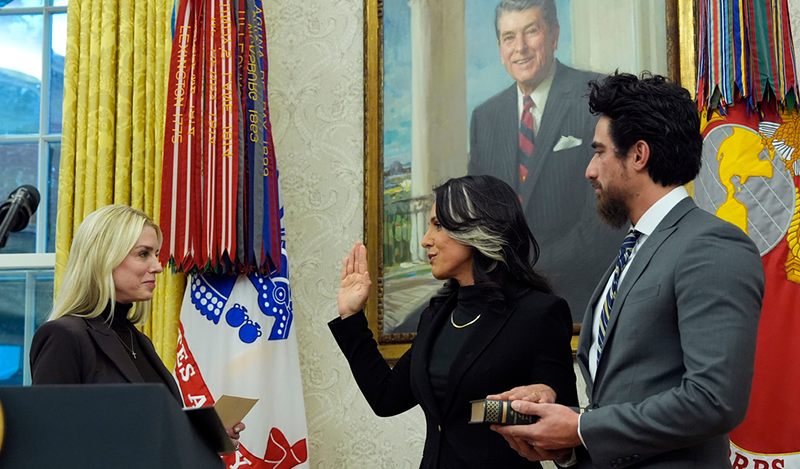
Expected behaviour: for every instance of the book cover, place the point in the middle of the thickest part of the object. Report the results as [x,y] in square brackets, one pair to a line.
[498,412]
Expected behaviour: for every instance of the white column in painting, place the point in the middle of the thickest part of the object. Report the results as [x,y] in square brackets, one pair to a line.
[420,127]
[650,20]
[641,45]
[439,103]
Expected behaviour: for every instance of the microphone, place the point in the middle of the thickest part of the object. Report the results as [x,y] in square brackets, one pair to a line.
[17,210]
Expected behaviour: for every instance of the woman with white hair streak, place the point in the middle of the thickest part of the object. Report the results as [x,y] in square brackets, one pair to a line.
[494,325]
[90,337]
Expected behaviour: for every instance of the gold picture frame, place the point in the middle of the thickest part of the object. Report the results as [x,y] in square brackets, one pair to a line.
[681,60]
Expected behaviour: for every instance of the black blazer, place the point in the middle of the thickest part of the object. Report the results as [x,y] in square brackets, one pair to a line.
[75,350]
[558,201]
[525,343]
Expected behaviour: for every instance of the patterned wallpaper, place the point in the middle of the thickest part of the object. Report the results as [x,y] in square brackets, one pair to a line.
[316,88]
[794,19]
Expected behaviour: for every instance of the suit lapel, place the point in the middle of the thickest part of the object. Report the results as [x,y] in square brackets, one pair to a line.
[489,325]
[508,128]
[423,345]
[108,343]
[639,264]
[150,353]
[585,337]
[562,91]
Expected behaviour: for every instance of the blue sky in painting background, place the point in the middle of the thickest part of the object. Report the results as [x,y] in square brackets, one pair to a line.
[486,75]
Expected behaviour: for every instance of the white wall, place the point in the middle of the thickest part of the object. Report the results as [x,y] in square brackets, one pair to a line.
[794,19]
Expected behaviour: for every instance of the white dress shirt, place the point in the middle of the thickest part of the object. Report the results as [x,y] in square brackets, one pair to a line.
[646,225]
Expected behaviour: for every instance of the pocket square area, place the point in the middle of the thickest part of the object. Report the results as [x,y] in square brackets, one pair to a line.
[566,142]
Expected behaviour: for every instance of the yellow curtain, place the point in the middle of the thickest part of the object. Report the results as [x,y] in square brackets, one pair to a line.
[115,86]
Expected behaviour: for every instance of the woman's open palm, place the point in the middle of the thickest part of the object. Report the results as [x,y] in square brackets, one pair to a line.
[355,285]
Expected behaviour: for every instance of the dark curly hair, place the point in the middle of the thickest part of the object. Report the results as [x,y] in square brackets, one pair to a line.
[661,113]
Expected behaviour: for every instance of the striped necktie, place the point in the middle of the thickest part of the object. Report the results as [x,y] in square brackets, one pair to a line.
[525,136]
[624,255]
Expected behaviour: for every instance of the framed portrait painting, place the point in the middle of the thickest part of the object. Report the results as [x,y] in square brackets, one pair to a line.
[444,86]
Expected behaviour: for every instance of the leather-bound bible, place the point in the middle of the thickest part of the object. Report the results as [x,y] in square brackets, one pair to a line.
[499,412]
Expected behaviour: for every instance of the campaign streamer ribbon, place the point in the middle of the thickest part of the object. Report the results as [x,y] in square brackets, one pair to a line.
[178,213]
[220,204]
[221,222]
[255,111]
[271,224]
[745,52]
[242,216]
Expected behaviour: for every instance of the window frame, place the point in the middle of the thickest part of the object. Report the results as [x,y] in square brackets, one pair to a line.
[40,262]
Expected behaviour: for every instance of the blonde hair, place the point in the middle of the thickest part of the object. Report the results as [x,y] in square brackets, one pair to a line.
[100,244]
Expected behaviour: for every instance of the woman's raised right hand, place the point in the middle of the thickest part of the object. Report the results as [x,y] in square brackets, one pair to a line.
[355,285]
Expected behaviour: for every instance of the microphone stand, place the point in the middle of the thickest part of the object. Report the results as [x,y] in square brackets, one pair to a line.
[10,215]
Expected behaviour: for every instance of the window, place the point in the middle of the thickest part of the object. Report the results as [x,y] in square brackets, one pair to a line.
[33,36]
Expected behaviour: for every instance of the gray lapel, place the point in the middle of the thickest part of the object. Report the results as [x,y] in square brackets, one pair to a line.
[108,342]
[643,257]
[585,337]
[507,140]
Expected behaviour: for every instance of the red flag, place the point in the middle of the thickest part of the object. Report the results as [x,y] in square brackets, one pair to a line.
[750,178]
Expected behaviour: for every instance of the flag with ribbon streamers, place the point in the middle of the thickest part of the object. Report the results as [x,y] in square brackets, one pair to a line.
[751,178]
[219,205]
[221,219]
[237,338]
[745,52]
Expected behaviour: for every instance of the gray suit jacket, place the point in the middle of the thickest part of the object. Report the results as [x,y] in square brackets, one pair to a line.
[676,370]
[558,201]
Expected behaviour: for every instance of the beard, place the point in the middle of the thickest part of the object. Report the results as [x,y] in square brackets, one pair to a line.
[611,205]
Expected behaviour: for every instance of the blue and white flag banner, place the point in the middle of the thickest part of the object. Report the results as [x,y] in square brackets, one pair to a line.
[237,338]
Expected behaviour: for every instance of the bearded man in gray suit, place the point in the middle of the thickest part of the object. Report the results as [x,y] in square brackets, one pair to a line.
[669,336]
[558,205]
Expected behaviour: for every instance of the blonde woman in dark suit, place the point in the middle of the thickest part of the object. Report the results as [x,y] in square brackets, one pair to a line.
[493,326]
[90,337]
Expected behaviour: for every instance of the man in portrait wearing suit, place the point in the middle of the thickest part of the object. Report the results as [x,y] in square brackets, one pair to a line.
[536,136]
[669,335]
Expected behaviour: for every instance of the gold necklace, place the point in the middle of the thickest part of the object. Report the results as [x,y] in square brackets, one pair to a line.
[465,325]
[130,349]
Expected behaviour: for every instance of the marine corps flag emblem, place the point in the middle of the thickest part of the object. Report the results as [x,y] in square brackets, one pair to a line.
[747,93]
[750,178]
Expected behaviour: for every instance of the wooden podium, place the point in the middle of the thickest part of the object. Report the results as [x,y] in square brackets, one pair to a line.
[99,426]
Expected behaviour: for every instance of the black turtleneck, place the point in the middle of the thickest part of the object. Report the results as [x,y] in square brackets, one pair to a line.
[472,301]
[123,328]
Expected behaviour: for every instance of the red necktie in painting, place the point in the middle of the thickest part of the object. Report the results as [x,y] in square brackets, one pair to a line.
[525,136]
